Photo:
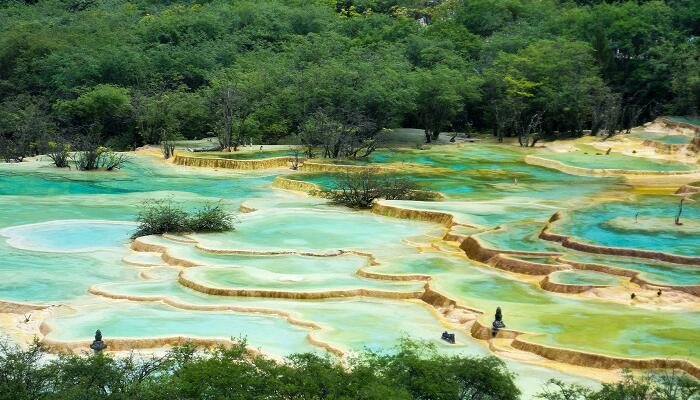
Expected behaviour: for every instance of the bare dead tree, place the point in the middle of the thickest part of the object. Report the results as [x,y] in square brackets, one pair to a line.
[167,144]
[528,135]
[234,106]
[501,120]
[612,115]
[295,158]
[597,118]
[361,136]
[632,113]
[225,99]
[349,135]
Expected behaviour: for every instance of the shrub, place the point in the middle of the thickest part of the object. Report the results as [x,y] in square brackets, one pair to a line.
[654,385]
[210,218]
[59,153]
[360,189]
[93,158]
[110,160]
[85,160]
[24,375]
[162,216]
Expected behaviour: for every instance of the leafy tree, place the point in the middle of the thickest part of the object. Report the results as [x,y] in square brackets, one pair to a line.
[411,371]
[24,125]
[685,80]
[22,372]
[484,17]
[105,108]
[440,97]
[138,72]
[437,102]
[426,374]
[510,106]
[162,118]
[235,100]
[666,385]
[556,82]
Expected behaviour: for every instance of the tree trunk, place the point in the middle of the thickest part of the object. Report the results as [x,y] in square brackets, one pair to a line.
[680,210]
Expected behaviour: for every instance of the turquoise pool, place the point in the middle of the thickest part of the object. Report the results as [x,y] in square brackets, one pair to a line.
[662,137]
[596,159]
[66,242]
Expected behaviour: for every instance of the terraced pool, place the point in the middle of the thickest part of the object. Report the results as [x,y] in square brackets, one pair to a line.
[245,155]
[591,158]
[662,137]
[299,274]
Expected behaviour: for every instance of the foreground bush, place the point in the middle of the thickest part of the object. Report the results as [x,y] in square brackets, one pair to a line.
[360,189]
[412,371]
[654,385]
[162,216]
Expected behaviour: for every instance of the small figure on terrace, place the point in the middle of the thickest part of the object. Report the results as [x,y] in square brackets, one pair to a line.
[448,337]
[98,345]
[658,293]
[633,295]
[497,323]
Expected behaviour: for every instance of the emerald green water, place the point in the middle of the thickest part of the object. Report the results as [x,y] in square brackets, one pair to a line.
[63,233]
[69,236]
[477,173]
[133,320]
[295,274]
[688,120]
[483,213]
[519,236]
[38,277]
[317,231]
[589,157]
[662,137]
[138,176]
[560,321]
[653,271]
[584,278]
[593,224]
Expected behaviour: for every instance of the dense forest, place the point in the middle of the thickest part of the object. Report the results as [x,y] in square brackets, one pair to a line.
[337,73]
